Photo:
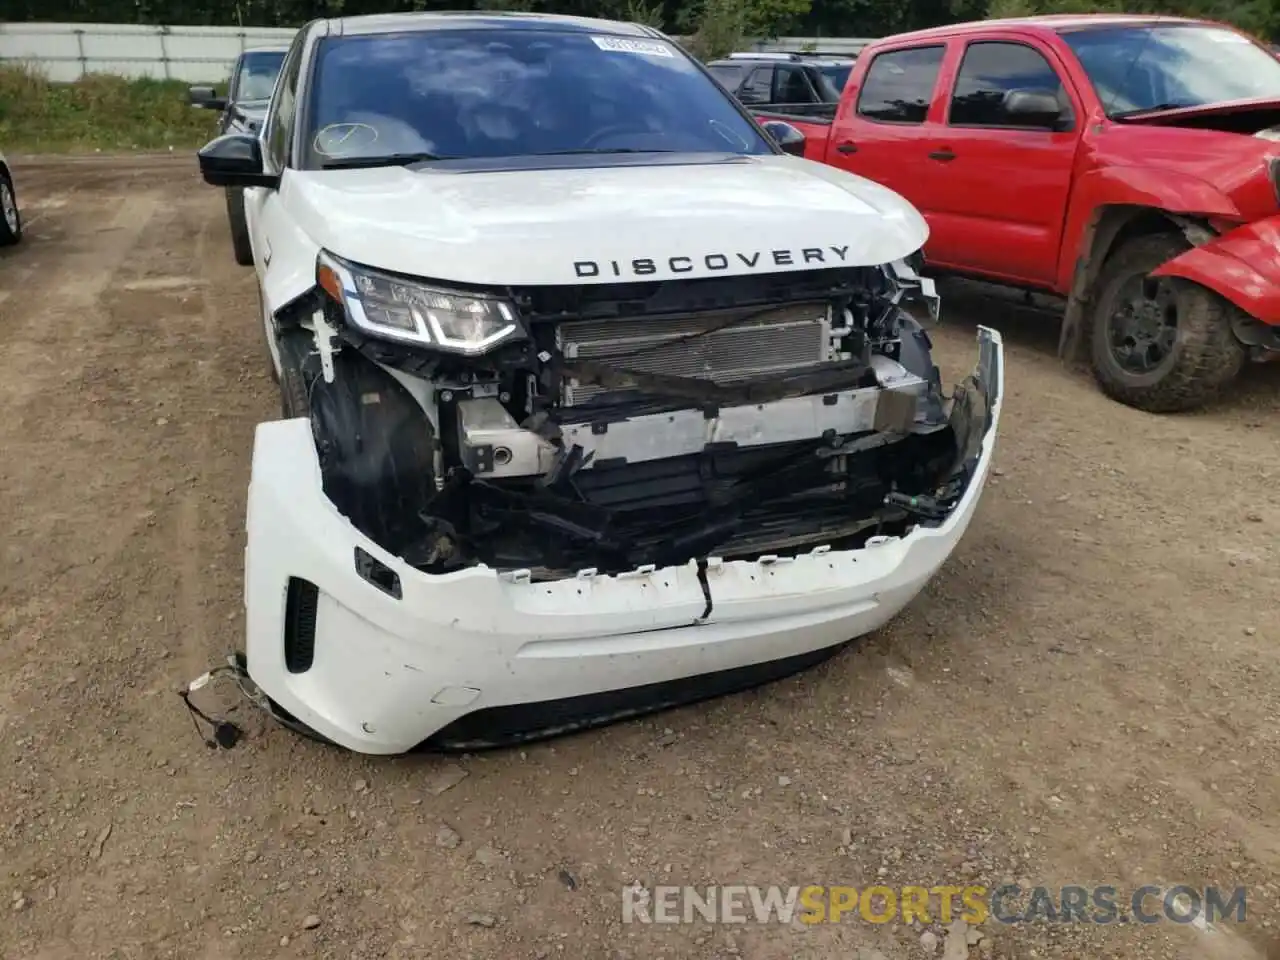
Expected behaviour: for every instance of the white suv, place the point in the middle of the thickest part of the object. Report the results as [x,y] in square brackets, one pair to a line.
[595,399]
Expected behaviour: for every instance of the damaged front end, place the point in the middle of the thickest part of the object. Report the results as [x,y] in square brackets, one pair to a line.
[617,426]
[581,503]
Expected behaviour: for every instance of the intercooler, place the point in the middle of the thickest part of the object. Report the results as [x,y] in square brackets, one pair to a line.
[723,346]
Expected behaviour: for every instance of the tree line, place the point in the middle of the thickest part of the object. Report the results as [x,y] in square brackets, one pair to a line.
[719,25]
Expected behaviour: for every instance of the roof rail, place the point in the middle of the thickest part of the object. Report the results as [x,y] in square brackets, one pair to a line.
[764,56]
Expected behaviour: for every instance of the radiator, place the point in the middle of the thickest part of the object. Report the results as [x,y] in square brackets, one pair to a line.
[778,340]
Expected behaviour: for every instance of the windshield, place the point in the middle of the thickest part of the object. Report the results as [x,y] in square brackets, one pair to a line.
[837,75]
[1134,69]
[257,75]
[514,93]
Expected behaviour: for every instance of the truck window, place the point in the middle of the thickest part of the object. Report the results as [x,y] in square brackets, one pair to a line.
[468,94]
[759,86]
[990,70]
[899,85]
[257,75]
[837,76]
[790,85]
[1158,66]
[729,74]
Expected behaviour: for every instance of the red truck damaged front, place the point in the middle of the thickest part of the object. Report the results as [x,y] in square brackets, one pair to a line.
[1128,164]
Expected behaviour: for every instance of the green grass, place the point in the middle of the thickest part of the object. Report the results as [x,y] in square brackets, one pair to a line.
[98,112]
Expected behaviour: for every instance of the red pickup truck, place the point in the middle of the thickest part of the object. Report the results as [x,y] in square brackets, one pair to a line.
[1130,164]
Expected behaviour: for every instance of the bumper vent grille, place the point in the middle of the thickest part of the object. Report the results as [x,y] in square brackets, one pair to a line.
[301,603]
[782,339]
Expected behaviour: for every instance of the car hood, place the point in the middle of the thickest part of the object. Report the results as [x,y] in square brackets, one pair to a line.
[621,222]
[1229,116]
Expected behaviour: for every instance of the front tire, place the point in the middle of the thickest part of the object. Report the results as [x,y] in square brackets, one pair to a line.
[239,228]
[10,216]
[1160,344]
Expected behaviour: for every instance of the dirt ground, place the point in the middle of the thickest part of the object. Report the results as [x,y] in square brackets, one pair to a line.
[1087,694]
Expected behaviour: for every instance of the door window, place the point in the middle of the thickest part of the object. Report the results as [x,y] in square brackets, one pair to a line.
[790,85]
[284,108]
[898,87]
[989,72]
[758,86]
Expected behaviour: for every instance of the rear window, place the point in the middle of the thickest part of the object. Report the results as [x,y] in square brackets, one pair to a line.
[729,74]
[898,87]
[837,76]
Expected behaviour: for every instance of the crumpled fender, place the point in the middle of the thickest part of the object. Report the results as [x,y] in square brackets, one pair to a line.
[1242,265]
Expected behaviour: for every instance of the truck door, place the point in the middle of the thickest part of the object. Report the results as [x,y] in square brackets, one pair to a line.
[998,181]
[882,124]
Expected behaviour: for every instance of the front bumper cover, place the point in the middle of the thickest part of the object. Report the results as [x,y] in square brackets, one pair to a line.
[1241,266]
[388,673]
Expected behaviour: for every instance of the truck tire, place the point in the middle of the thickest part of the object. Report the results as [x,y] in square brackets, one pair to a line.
[1160,344]
[10,216]
[376,446]
[239,229]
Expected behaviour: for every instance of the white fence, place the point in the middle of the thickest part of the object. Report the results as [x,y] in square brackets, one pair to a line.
[67,51]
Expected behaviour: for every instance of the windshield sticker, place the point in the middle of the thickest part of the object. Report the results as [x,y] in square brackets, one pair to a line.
[648,48]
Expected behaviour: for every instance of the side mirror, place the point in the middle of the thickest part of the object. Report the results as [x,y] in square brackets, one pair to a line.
[235,160]
[786,136]
[206,98]
[1033,108]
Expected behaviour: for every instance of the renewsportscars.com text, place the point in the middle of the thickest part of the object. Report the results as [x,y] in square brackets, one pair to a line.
[975,904]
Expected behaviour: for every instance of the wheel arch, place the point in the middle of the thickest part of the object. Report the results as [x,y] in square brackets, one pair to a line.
[1108,228]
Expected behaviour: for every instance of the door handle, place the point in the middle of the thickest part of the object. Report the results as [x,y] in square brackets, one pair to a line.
[944,154]
[847,147]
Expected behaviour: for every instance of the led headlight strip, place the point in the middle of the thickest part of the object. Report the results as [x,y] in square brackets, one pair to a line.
[399,309]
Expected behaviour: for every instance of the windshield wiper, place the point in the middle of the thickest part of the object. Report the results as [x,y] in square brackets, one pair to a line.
[387,160]
[1124,114]
[570,153]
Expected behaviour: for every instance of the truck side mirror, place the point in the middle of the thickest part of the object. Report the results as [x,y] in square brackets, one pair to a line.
[785,136]
[1033,108]
[206,97]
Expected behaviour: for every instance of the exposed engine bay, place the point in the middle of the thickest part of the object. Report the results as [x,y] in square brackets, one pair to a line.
[643,424]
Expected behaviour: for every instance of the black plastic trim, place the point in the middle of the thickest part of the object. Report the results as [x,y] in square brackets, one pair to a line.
[302,601]
[496,727]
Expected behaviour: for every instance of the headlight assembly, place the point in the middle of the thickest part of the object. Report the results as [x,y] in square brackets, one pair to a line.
[412,312]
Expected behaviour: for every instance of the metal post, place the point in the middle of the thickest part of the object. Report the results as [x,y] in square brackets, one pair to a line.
[162,31]
[84,61]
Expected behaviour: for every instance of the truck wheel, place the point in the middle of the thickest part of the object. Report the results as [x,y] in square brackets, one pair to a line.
[10,218]
[1160,344]
[239,229]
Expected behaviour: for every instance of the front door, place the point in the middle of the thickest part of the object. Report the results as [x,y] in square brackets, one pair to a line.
[998,184]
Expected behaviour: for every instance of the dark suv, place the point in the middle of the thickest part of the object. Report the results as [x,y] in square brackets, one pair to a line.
[252,79]
[769,79]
